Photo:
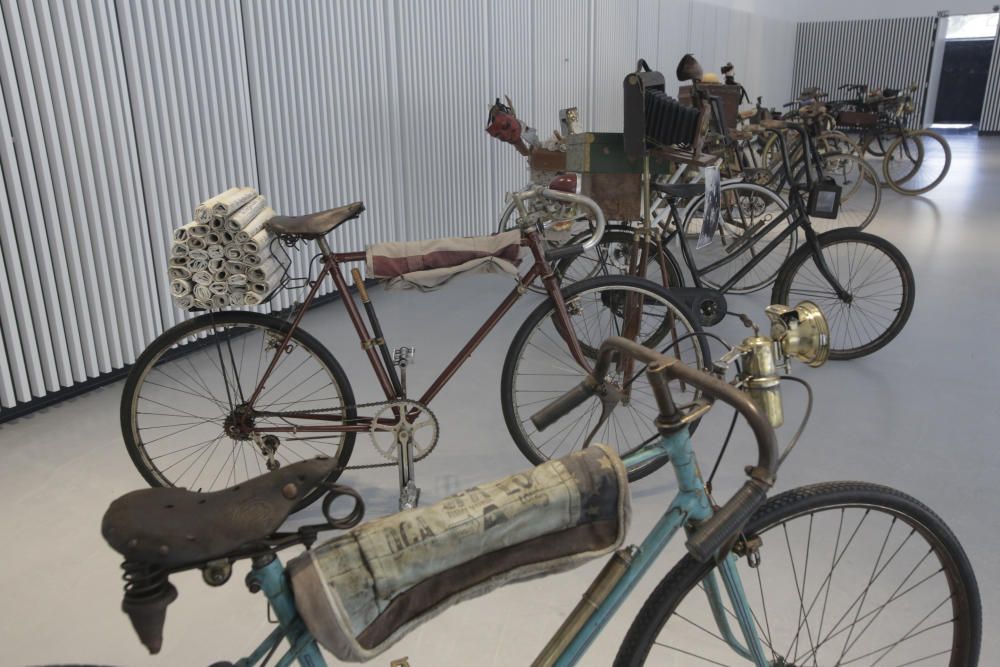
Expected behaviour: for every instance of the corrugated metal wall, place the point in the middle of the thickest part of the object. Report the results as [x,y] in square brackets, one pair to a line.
[118,116]
[890,53]
[989,121]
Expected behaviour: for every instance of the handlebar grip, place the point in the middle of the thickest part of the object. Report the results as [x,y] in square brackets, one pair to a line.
[564,251]
[709,537]
[558,408]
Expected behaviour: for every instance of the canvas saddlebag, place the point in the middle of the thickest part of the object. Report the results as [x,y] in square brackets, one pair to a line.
[361,592]
[426,265]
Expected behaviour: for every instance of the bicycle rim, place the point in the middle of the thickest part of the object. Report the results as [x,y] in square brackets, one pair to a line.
[926,172]
[849,574]
[746,210]
[182,405]
[539,367]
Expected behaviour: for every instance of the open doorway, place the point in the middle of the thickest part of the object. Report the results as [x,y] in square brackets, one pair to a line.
[964,70]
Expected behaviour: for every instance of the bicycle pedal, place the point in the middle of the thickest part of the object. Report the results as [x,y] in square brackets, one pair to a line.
[403,356]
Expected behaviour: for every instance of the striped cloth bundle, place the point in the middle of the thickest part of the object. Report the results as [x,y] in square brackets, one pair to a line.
[223,257]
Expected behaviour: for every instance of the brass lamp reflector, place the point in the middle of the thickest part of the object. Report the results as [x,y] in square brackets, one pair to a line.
[802,332]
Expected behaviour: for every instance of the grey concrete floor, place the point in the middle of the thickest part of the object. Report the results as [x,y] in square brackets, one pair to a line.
[920,415]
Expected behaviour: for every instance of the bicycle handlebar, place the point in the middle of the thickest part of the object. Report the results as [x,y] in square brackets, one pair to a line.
[568,198]
[713,533]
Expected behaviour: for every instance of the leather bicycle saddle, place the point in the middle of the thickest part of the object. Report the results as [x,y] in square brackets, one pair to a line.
[173,528]
[314,225]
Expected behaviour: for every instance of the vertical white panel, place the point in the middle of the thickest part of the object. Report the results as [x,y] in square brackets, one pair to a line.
[989,121]
[561,79]
[613,32]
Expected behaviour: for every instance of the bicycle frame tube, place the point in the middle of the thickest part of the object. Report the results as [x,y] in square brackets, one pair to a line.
[690,504]
[272,580]
[331,267]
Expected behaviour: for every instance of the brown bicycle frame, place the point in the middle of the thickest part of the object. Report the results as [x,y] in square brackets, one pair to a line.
[331,267]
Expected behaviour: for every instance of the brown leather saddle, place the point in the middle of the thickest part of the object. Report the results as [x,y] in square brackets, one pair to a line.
[315,225]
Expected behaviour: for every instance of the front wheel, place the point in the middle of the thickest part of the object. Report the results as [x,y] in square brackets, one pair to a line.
[916,162]
[185,412]
[878,281]
[849,574]
[539,367]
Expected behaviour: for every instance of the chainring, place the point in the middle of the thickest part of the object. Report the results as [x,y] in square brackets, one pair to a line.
[420,425]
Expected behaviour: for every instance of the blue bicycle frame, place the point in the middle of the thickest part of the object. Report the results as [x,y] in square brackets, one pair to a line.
[691,504]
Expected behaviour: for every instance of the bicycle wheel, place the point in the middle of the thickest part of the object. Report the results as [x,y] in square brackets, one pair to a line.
[539,367]
[610,257]
[860,193]
[183,413]
[875,275]
[745,210]
[917,162]
[888,584]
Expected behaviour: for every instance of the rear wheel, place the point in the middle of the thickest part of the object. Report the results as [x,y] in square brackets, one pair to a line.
[611,257]
[916,162]
[184,410]
[874,273]
[539,367]
[849,574]
[746,209]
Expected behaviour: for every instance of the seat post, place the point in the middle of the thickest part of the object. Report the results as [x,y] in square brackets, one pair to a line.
[324,247]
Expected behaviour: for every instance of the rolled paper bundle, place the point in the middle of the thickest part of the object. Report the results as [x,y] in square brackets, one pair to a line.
[237,298]
[236,267]
[231,200]
[237,280]
[179,272]
[241,218]
[180,287]
[202,293]
[202,277]
[178,261]
[220,300]
[263,289]
[213,238]
[197,253]
[227,237]
[185,302]
[197,265]
[209,204]
[269,266]
[221,276]
[203,214]
[219,288]
[252,259]
[196,243]
[260,242]
[182,232]
[198,230]
[259,221]
[216,252]
[252,299]
[179,249]
[204,305]
[216,264]
[233,252]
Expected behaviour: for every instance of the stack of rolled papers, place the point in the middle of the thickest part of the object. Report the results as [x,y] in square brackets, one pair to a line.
[223,257]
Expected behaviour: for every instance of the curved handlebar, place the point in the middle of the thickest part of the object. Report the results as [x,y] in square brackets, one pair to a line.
[713,533]
[569,198]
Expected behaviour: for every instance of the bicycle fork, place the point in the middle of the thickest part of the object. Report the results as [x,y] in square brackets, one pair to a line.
[824,269]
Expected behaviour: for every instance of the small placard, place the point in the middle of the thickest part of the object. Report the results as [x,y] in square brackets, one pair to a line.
[713,196]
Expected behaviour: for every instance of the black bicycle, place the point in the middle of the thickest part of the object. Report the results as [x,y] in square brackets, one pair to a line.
[862,281]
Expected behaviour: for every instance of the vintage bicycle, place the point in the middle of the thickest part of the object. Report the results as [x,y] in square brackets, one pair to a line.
[833,573]
[260,392]
[862,281]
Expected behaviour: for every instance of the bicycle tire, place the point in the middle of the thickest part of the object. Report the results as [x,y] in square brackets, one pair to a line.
[664,602]
[906,185]
[179,333]
[759,277]
[609,261]
[694,351]
[819,291]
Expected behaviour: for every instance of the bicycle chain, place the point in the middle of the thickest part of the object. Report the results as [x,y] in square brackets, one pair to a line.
[366,466]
